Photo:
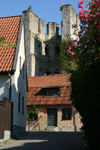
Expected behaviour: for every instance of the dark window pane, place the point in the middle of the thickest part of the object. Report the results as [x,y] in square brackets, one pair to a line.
[49,92]
[66,113]
[23,105]
[19,102]
[52,92]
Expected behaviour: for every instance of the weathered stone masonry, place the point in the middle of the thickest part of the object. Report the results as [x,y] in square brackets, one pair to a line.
[42,50]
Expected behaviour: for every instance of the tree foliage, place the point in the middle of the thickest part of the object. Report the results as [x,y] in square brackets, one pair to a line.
[85,93]
[86,80]
[66,61]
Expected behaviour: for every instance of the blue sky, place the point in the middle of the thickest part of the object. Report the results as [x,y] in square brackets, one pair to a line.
[47,10]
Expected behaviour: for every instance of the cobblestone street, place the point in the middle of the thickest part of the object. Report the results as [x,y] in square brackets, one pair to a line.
[49,141]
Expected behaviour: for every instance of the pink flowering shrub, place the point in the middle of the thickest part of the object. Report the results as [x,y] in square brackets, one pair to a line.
[87,48]
[85,81]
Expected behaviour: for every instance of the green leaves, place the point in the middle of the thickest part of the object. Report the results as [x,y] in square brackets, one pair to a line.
[85,83]
[5,44]
[32,111]
[66,61]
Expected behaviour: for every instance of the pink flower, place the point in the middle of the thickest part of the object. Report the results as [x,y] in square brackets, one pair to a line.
[80,3]
[69,47]
[79,33]
[80,55]
[74,25]
[70,53]
[97,55]
[87,10]
[79,42]
[69,39]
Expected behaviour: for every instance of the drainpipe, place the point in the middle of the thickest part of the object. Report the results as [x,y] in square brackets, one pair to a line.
[9,85]
[77,121]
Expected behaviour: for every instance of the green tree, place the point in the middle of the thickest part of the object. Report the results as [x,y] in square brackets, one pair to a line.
[67,62]
[86,79]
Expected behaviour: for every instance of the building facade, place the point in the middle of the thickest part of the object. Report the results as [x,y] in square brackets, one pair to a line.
[51,95]
[13,71]
[42,50]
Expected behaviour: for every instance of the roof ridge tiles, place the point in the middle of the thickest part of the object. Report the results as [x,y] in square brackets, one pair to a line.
[10,16]
[65,74]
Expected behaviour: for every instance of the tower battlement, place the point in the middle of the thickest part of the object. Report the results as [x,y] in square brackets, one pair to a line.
[42,50]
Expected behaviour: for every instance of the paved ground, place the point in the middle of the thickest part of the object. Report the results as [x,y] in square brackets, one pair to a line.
[49,141]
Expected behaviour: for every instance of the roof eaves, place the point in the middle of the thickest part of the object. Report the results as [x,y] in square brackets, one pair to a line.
[6,72]
[51,87]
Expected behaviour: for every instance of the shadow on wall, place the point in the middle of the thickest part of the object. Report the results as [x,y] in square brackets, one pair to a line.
[33,123]
[4,86]
[18,96]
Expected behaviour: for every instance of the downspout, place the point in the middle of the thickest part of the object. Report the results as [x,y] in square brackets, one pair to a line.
[9,85]
[12,104]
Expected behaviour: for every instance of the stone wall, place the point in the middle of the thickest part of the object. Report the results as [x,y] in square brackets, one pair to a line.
[27,40]
[42,50]
[69,17]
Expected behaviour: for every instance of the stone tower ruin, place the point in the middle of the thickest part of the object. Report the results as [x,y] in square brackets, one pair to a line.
[42,50]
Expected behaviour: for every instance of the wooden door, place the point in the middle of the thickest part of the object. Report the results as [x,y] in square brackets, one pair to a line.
[51,116]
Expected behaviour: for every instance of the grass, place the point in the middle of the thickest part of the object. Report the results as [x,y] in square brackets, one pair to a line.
[11,139]
[6,142]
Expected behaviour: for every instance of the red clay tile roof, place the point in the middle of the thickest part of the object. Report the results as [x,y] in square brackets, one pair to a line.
[9,28]
[35,94]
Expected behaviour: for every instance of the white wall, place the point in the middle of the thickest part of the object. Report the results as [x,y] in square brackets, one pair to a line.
[4,86]
[19,85]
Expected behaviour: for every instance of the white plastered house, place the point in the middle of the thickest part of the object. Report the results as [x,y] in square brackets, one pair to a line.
[13,70]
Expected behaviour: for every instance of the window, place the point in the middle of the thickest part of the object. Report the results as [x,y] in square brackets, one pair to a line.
[23,71]
[57,30]
[66,113]
[23,105]
[46,73]
[52,92]
[19,102]
[33,116]
[40,72]
[46,50]
[57,50]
